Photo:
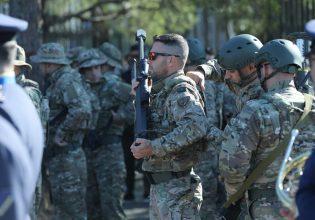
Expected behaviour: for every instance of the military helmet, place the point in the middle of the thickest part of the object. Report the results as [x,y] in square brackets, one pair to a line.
[51,53]
[90,57]
[114,57]
[20,59]
[283,55]
[197,52]
[239,51]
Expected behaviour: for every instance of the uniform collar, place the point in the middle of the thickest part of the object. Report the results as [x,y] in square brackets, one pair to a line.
[281,85]
[7,78]
[158,85]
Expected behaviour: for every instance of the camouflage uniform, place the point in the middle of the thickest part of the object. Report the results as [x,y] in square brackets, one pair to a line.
[32,89]
[106,163]
[207,166]
[114,57]
[177,122]
[70,111]
[256,131]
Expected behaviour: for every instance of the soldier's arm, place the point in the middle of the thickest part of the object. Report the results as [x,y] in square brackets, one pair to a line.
[186,111]
[78,105]
[125,112]
[240,139]
[212,70]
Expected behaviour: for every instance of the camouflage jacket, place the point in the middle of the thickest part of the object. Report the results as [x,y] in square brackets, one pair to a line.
[70,108]
[114,95]
[252,90]
[255,132]
[95,104]
[41,104]
[176,124]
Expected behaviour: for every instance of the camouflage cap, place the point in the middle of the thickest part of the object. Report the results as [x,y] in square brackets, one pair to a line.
[112,53]
[74,52]
[20,59]
[51,53]
[91,57]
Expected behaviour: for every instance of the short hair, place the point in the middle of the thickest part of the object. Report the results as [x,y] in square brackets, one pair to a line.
[177,41]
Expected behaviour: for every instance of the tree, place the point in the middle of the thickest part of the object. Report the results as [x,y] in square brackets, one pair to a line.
[31,38]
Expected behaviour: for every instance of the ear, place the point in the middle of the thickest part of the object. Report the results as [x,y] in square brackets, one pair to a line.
[252,67]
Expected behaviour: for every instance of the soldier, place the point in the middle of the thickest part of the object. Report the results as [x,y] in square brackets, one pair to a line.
[207,166]
[21,140]
[261,126]
[107,153]
[114,59]
[177,123]
[70,111]
[32,89]
[305,197]
[73,54]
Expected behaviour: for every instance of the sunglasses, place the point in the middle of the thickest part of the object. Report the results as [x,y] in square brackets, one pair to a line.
[154,55]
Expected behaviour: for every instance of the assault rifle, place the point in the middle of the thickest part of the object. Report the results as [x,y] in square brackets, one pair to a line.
[142,92]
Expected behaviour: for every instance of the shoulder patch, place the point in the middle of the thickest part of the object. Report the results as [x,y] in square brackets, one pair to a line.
[182,102]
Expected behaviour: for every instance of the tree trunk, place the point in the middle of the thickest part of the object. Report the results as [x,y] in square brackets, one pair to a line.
[30,39]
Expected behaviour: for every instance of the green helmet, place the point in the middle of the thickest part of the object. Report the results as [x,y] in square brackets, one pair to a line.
[283,56]
[239,51]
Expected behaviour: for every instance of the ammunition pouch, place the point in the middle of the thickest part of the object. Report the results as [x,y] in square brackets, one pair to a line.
[255,194]
[165,176]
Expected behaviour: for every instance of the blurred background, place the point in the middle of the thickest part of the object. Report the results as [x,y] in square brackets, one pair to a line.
[91,22]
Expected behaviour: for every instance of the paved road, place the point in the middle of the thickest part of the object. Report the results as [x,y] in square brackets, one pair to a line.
[137,209]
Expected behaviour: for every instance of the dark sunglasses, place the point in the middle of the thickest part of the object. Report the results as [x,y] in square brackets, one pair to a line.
[154,55]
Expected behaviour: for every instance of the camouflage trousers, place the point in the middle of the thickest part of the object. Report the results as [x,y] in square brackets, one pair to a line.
[67,177]
[106,178]
[207,169]
[36,199]
[176,199]
[262,205]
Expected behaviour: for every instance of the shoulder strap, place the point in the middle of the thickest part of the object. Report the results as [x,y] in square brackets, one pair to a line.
[7,117]
[262,166]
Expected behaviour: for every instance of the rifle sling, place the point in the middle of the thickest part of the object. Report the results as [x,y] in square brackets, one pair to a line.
[262,166]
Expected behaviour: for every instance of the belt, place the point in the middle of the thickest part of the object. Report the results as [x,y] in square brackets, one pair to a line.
[165,176]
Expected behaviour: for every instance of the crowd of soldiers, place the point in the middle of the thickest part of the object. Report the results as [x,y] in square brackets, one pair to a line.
[211,123]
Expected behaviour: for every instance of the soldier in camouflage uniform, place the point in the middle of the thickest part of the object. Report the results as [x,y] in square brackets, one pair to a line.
[73,54]
[207,166]
[107,153]
[41,104]
[261,126]
[176,124]
[70,111]
[114,59]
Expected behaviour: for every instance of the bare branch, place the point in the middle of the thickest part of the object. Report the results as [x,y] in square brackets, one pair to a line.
[52,20]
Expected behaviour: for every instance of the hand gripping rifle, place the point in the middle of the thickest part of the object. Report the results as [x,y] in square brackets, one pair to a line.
[142,92]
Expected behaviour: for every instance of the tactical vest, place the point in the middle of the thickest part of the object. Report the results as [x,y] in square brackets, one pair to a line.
[288,116]
[160,123]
